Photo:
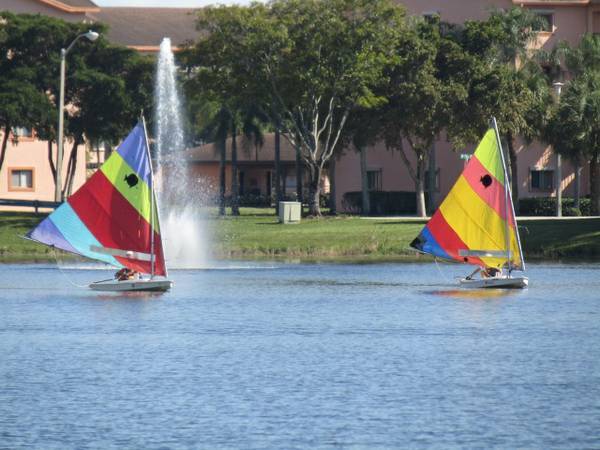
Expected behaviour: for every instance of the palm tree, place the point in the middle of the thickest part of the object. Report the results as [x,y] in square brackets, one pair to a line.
[574,128]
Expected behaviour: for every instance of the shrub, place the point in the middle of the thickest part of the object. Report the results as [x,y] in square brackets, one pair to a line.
[546,206]
[382,202]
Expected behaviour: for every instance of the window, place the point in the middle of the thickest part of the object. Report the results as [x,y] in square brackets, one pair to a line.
[546,19]
[431,16]
[22,132]
[437,180]
[542,180]
[374,180]
[596,23]
[20,179]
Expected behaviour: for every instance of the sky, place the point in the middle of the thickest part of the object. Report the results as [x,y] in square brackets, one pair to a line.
[167,3]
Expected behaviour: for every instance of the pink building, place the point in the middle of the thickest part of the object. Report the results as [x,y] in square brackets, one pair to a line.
[26,173]
[568,20]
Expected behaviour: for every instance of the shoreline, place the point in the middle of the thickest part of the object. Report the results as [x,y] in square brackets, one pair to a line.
[256,235]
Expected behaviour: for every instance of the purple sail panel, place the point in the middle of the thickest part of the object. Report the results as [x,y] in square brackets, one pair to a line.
[47,233]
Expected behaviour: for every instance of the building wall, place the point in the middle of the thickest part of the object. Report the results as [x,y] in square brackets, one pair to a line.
[570,23]
[32,154]
[36,7]
[455,11]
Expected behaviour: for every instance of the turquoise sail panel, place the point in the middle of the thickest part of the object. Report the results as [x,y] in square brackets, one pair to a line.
[63,229]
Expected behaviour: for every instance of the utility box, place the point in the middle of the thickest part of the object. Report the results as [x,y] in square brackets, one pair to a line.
[290,212]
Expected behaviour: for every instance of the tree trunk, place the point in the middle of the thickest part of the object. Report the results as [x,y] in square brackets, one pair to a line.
[51,162]
[513,172]
[71,168]
[577,182]
[222,182]
[277,171]
[432,178]
[420,185]
[314,207]
[595,186]
[4,145]
[235,185]
[332,189]
[366,201]
[299,175]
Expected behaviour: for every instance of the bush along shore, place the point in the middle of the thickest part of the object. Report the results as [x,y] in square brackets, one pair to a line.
[256,234]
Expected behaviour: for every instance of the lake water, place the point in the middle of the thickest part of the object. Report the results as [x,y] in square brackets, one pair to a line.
[286,356]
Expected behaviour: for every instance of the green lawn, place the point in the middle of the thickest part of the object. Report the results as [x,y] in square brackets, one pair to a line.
[12,246]
[257,234]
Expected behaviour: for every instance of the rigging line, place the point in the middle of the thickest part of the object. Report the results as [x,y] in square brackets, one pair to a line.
[442,275]
[63,272]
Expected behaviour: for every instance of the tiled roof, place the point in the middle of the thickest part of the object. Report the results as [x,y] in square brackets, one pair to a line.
[247,152]
[550,2]
[79,3]
[72,5]
[144,27]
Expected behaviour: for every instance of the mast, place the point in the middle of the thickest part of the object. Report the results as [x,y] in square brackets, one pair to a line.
[506,198]
[152,206]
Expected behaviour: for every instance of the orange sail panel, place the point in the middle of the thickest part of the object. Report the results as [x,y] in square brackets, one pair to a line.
[471,223]
[111,218]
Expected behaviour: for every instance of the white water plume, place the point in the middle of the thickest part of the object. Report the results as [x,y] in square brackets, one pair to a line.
[180,196]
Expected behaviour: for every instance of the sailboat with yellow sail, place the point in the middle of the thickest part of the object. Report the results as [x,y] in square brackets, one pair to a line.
[476,223]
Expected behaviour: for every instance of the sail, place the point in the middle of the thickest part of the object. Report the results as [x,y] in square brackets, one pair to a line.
[109,217]
[472,222]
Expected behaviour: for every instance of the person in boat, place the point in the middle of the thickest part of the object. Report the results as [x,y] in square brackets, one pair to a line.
[490,272]
[126,274]
[487,272]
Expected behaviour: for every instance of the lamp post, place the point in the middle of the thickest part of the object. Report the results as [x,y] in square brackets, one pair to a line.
[558,88]
[92,36]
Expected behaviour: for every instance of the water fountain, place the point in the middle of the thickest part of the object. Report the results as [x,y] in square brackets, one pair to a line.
[180,196]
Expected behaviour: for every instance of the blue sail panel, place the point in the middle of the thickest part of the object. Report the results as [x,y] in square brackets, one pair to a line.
[426,243]
[133,151]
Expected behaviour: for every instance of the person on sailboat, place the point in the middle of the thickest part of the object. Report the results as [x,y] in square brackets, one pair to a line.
[487,272]
[490,272]
[127,274]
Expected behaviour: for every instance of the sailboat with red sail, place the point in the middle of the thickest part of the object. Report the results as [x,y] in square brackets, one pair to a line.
[113,218]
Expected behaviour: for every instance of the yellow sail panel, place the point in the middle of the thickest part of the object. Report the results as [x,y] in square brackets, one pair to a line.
[488,154]
[477,224]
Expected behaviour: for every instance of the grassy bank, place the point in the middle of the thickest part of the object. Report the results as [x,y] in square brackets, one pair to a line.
[257,234]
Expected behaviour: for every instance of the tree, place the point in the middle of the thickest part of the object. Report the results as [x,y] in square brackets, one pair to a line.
[308,63]
[574,128]
[106,85]
[107,93]
[505,83]
[426,85]
[27,43]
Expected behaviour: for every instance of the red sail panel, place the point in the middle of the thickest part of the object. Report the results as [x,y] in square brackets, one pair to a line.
[488,188]
[451,242]
[115,223]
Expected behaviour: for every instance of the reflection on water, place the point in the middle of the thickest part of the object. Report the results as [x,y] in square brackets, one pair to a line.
[474,293]
[278,356]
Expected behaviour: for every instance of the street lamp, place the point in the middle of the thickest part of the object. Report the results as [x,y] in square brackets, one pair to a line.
[558,88]
[92,36]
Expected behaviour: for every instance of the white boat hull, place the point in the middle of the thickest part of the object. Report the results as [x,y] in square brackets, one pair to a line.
[496,282]
[154,284]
